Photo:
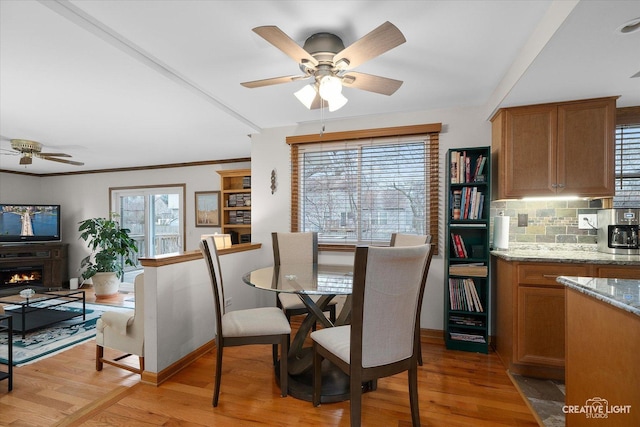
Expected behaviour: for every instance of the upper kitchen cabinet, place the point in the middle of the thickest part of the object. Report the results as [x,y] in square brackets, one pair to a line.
[555,149]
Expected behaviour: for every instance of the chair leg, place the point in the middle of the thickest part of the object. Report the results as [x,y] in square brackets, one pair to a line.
[274,354]
[216,390]
[99,356]
[141,359]
[284,365]
[413,396]
[317,376]
[332,313]
[418,344]
[355,399]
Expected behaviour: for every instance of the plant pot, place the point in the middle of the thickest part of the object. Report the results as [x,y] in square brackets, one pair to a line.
[105,284]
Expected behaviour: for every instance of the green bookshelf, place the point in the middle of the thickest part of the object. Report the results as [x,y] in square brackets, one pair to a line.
[467,258]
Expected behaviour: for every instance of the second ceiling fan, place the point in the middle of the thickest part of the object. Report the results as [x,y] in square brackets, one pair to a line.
[325,59]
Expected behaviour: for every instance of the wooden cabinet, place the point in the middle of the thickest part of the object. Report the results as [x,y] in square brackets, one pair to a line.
[530,312]
[235,188]
[530,326]
[552,149]
[602,360]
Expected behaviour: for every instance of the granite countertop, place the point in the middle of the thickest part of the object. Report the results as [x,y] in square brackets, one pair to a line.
[569,253]
[620,293]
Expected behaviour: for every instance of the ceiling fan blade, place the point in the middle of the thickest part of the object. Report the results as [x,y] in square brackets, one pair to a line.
[9,152]
[71,162]
[279,39]
[54,154]
[382,39]
[273,81]
[371,83]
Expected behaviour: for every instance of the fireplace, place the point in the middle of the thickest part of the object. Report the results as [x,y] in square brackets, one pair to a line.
[21,276]
[33,264]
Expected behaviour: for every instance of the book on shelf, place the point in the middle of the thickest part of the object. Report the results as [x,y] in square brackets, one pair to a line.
[472,203]
[465,320]
[463,295]
[464,169]
[458,246]
[468,270]
[453,168]
[456,204]
[467,169]
[467,337]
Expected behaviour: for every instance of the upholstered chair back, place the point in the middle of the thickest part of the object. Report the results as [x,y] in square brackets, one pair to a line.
[295,248]
[210,254]
[387,300]
[400,239]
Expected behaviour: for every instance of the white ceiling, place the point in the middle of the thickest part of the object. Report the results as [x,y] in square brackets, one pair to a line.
[142,82]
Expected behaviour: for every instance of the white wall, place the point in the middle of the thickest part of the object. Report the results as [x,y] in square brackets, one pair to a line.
[462,127]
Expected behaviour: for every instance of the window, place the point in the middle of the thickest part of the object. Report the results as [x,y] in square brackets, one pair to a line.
[154,216]
[356,189]
[627,158]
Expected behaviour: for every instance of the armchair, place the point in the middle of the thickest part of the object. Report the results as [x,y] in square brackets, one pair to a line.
[123,332]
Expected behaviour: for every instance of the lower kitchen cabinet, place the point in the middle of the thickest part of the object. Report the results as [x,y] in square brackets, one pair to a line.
[530,312]
[540,327]
[530,317]
[530,323]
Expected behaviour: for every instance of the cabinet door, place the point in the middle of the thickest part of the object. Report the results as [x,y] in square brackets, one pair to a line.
[586,144]
[540,326]
[528,152]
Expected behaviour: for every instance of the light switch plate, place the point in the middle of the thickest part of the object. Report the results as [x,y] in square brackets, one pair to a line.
[523,220]
[587,221]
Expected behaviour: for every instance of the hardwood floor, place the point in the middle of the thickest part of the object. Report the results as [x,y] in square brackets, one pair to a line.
[456,389]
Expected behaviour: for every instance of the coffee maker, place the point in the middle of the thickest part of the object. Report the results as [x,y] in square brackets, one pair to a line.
[618,231]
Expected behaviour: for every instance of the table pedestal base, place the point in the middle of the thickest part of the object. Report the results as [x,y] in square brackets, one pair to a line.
[335,384]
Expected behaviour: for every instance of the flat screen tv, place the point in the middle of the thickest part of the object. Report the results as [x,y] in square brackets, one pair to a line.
[29,223]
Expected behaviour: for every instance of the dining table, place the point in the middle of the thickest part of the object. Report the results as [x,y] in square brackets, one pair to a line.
[316,285]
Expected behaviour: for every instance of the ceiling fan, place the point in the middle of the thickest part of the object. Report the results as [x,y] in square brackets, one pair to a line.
[325,59]
[29,149]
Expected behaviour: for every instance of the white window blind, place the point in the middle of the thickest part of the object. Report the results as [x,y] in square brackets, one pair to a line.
[627,166]
[361,191]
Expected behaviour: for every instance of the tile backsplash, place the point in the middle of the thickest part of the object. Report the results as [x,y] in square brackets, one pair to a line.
[550,221]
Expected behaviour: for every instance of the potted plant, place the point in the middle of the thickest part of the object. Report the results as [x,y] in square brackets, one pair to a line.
[111,247]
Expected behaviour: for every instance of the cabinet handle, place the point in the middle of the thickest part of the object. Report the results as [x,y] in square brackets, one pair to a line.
[561,185]
[550,276]
[554,185]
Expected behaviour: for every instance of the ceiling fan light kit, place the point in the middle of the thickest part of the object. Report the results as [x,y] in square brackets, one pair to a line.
[306,95]
[324,58]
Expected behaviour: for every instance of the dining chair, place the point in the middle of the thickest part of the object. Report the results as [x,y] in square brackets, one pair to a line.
[401,239]
[297,248]
[123,331]
[380,341]
[262,325]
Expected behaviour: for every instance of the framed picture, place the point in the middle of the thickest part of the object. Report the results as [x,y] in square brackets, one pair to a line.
[207,208]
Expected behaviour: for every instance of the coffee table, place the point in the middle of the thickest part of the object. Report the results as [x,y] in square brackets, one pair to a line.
[42,309]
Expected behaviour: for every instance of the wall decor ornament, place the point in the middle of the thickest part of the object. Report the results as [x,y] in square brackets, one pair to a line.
[273,181]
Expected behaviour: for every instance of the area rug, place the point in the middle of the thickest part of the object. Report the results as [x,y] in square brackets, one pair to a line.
[58,337]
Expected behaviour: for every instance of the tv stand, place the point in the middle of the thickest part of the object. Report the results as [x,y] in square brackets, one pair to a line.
[51,257]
